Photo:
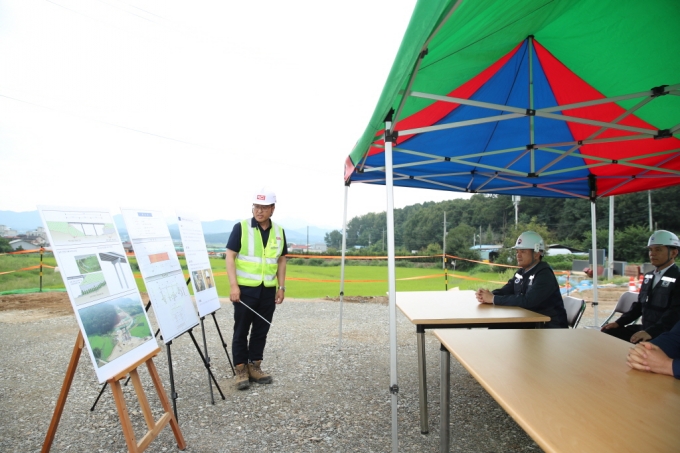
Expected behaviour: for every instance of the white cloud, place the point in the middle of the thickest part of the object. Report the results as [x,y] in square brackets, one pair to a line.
[193,105]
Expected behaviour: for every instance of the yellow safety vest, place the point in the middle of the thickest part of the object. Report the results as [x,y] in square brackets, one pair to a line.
[256,264]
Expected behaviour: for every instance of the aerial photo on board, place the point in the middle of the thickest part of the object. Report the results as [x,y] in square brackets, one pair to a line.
[115,327]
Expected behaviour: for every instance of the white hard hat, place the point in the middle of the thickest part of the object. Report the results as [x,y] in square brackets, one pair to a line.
[663,237]
[530,240]
[264,197]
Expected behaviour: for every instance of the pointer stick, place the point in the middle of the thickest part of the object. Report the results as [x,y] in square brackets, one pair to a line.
[255,313]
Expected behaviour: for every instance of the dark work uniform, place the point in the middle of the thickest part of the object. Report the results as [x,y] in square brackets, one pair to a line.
[669,342]
[536,290]
[658,305]
[259,298]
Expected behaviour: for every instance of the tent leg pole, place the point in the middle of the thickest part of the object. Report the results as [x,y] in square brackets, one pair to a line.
[391,279]
[444,398]
[342,266]
[422,380]
[593,214]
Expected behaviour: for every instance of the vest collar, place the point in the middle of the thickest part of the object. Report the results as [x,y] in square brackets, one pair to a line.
[255,224]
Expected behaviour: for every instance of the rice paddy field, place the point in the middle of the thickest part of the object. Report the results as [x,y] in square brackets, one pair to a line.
[22,273]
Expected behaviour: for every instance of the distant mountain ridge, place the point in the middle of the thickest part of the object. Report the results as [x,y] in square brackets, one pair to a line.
[20,221]
[216,232]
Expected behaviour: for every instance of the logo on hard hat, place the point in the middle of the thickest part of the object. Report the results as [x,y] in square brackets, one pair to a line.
[519,241]
[261,197]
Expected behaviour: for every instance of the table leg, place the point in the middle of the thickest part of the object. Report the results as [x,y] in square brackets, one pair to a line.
[445,398]
[422,381]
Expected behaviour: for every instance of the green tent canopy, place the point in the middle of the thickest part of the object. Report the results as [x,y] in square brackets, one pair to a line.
[541,98]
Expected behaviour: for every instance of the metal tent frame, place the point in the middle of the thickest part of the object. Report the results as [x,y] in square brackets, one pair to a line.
[551,167]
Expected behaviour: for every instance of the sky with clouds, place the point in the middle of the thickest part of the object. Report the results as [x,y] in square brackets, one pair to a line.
[168,104]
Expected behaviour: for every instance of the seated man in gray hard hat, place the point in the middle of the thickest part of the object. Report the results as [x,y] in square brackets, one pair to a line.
[533,287]
[659,299]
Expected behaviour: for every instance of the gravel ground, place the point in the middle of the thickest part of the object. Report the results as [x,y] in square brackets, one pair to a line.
[322,398]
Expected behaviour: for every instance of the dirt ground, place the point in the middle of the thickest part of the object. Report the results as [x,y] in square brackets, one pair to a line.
[606,296]
[21,308]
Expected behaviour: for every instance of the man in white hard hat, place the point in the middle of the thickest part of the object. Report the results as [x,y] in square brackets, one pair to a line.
[533,287]
[256,266]
[659,299]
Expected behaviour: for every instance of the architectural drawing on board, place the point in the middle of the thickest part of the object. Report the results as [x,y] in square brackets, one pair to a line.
[203,279]
[115,327]
[87,288]
[101,287]
[171,302]
[171,293]
[89,284]
[115,259]
[158,257]
[87,263]
[68,231]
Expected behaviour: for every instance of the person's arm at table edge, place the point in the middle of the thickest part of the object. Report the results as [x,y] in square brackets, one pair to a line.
[669,343]
[484,296]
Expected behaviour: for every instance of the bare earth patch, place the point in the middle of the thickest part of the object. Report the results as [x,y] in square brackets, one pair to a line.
[20,308]
[382,300]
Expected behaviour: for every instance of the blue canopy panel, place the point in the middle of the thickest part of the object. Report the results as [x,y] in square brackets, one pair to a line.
[493,156]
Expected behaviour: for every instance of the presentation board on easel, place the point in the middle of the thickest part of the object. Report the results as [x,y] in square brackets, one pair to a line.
[161,271]
[101,287]
[198,262]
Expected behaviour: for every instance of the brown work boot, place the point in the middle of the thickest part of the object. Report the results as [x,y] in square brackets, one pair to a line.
[256,373]
[242,381]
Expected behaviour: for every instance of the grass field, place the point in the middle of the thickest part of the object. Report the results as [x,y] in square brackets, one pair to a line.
[302,282]
[310,282]
[105,344]
[141,328]
[30,278]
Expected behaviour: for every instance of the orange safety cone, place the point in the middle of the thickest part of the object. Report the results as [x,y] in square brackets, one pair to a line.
[632,287]
[639,285]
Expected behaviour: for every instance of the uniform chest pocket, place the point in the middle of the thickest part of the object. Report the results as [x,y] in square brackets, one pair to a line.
[661,294]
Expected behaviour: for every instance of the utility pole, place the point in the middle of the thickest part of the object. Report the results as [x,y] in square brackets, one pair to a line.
[515,201]
[610,258]
[649,202]
[444,246]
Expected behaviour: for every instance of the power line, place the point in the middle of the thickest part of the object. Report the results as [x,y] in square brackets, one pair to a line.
[163,22]
[111,124]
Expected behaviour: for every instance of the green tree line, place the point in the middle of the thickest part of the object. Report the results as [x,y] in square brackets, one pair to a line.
[490,219]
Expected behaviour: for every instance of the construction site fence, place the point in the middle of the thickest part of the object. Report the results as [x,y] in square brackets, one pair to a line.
[444,274]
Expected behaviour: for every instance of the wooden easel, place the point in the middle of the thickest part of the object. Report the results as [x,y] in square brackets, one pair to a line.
[154,427]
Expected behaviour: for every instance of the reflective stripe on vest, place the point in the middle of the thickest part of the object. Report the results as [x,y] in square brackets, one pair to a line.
[259,264]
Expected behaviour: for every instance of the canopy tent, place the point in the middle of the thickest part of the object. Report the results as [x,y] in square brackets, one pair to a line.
[548,98]
[542,98]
